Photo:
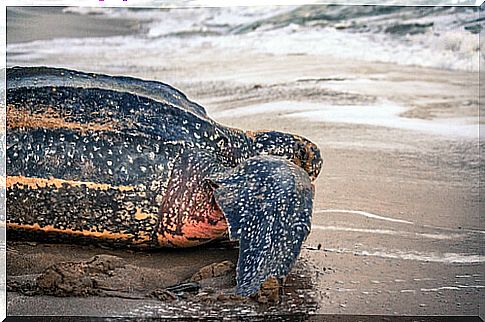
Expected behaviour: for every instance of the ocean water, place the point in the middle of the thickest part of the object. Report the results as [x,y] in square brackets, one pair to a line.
[439,37]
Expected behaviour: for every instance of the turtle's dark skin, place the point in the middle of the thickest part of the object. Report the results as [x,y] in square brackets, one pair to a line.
[129,162]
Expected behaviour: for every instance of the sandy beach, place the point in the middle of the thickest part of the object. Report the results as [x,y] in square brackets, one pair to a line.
[396,227]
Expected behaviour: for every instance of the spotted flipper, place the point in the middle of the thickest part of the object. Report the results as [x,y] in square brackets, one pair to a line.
[267,202]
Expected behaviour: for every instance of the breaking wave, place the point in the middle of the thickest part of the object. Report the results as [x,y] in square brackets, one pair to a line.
[440,37]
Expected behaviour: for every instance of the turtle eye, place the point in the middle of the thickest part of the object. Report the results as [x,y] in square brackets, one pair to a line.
[303,153]
[299,146]
[300,150]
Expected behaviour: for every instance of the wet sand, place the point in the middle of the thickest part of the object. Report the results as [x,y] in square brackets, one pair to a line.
[396,226]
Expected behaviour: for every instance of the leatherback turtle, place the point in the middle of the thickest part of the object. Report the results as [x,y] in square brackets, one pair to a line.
[131,162]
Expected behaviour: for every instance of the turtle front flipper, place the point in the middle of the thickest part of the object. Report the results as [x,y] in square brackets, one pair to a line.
[267,202]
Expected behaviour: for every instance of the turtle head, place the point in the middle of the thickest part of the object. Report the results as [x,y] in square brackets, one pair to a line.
[295,148]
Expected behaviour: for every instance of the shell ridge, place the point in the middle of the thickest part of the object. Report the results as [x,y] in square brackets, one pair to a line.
[16,76]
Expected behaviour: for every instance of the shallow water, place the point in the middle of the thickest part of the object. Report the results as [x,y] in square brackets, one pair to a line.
[385,114]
